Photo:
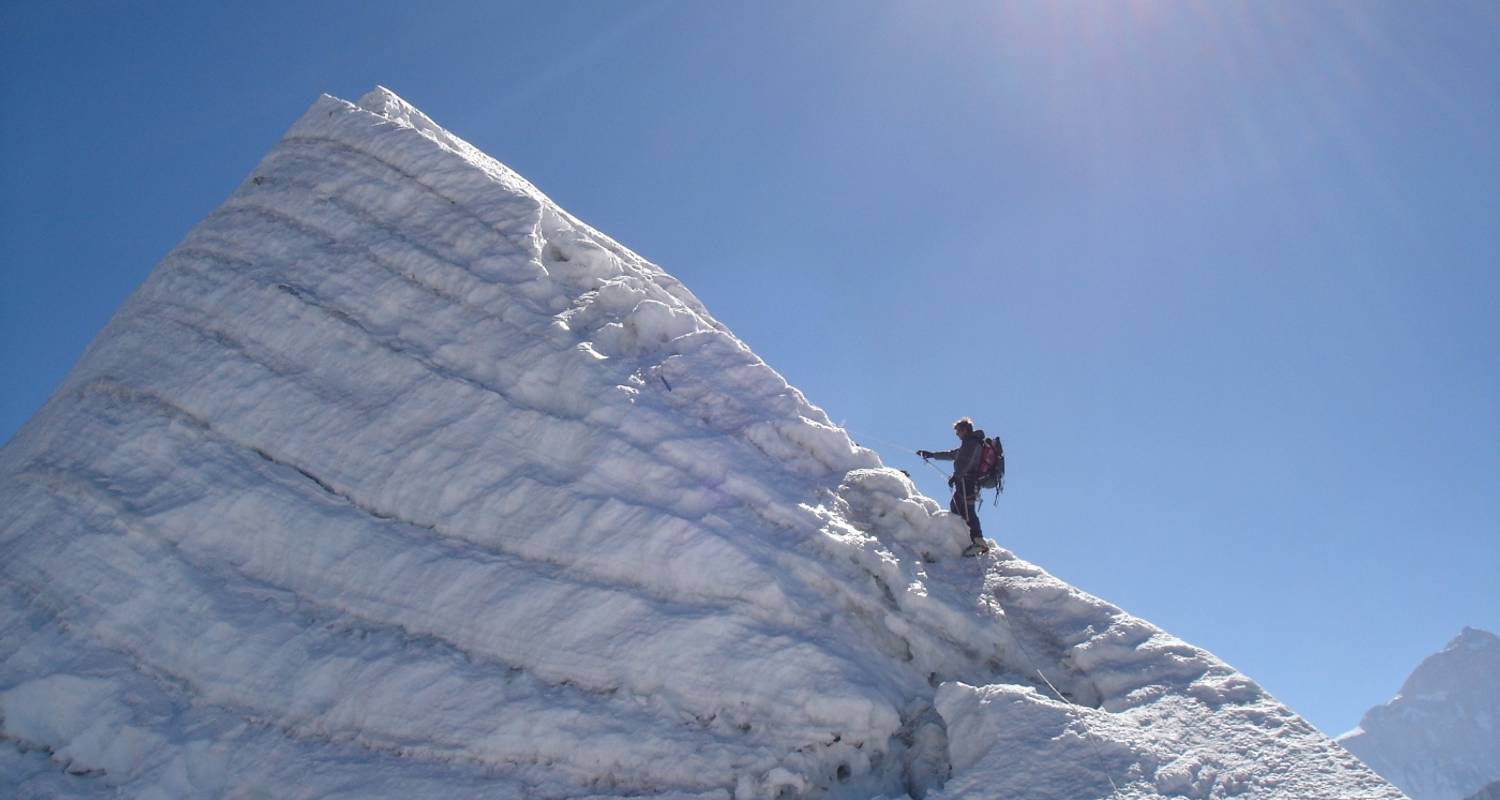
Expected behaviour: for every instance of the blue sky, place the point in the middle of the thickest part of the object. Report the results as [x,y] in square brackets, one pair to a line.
[1224,275]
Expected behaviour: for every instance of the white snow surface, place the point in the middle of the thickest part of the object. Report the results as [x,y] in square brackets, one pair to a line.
[1439,739]
[396,480]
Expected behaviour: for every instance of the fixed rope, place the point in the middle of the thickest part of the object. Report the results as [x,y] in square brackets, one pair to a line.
[1098,756]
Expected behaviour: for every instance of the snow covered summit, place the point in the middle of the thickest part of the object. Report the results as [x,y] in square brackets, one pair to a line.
[396,480]
[1439,739]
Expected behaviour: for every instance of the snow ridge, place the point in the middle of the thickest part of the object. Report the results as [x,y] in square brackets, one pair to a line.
[394,478]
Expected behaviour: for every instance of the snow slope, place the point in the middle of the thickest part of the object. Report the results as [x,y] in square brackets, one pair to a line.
[394,479]
[1439,739]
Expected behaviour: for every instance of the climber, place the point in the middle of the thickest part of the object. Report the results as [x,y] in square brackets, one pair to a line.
[966,476]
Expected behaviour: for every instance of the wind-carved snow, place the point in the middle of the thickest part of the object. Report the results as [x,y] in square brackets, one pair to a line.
[395,479]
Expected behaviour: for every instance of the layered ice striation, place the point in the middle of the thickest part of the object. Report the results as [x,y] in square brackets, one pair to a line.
[394,479]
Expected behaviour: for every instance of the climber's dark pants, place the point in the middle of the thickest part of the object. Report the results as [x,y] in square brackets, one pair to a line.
[965,495]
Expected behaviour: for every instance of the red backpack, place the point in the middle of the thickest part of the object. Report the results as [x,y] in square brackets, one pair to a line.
[991,468]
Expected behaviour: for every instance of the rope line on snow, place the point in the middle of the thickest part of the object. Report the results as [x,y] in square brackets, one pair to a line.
[936,468]
[903,448]
[886,442]
[1098,756]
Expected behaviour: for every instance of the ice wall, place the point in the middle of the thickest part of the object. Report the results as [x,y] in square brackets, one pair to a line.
[396,479]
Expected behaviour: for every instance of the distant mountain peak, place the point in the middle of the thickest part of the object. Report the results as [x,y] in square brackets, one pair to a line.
[1439,738]
[1475,638]
[1490,792]
[1460,666]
